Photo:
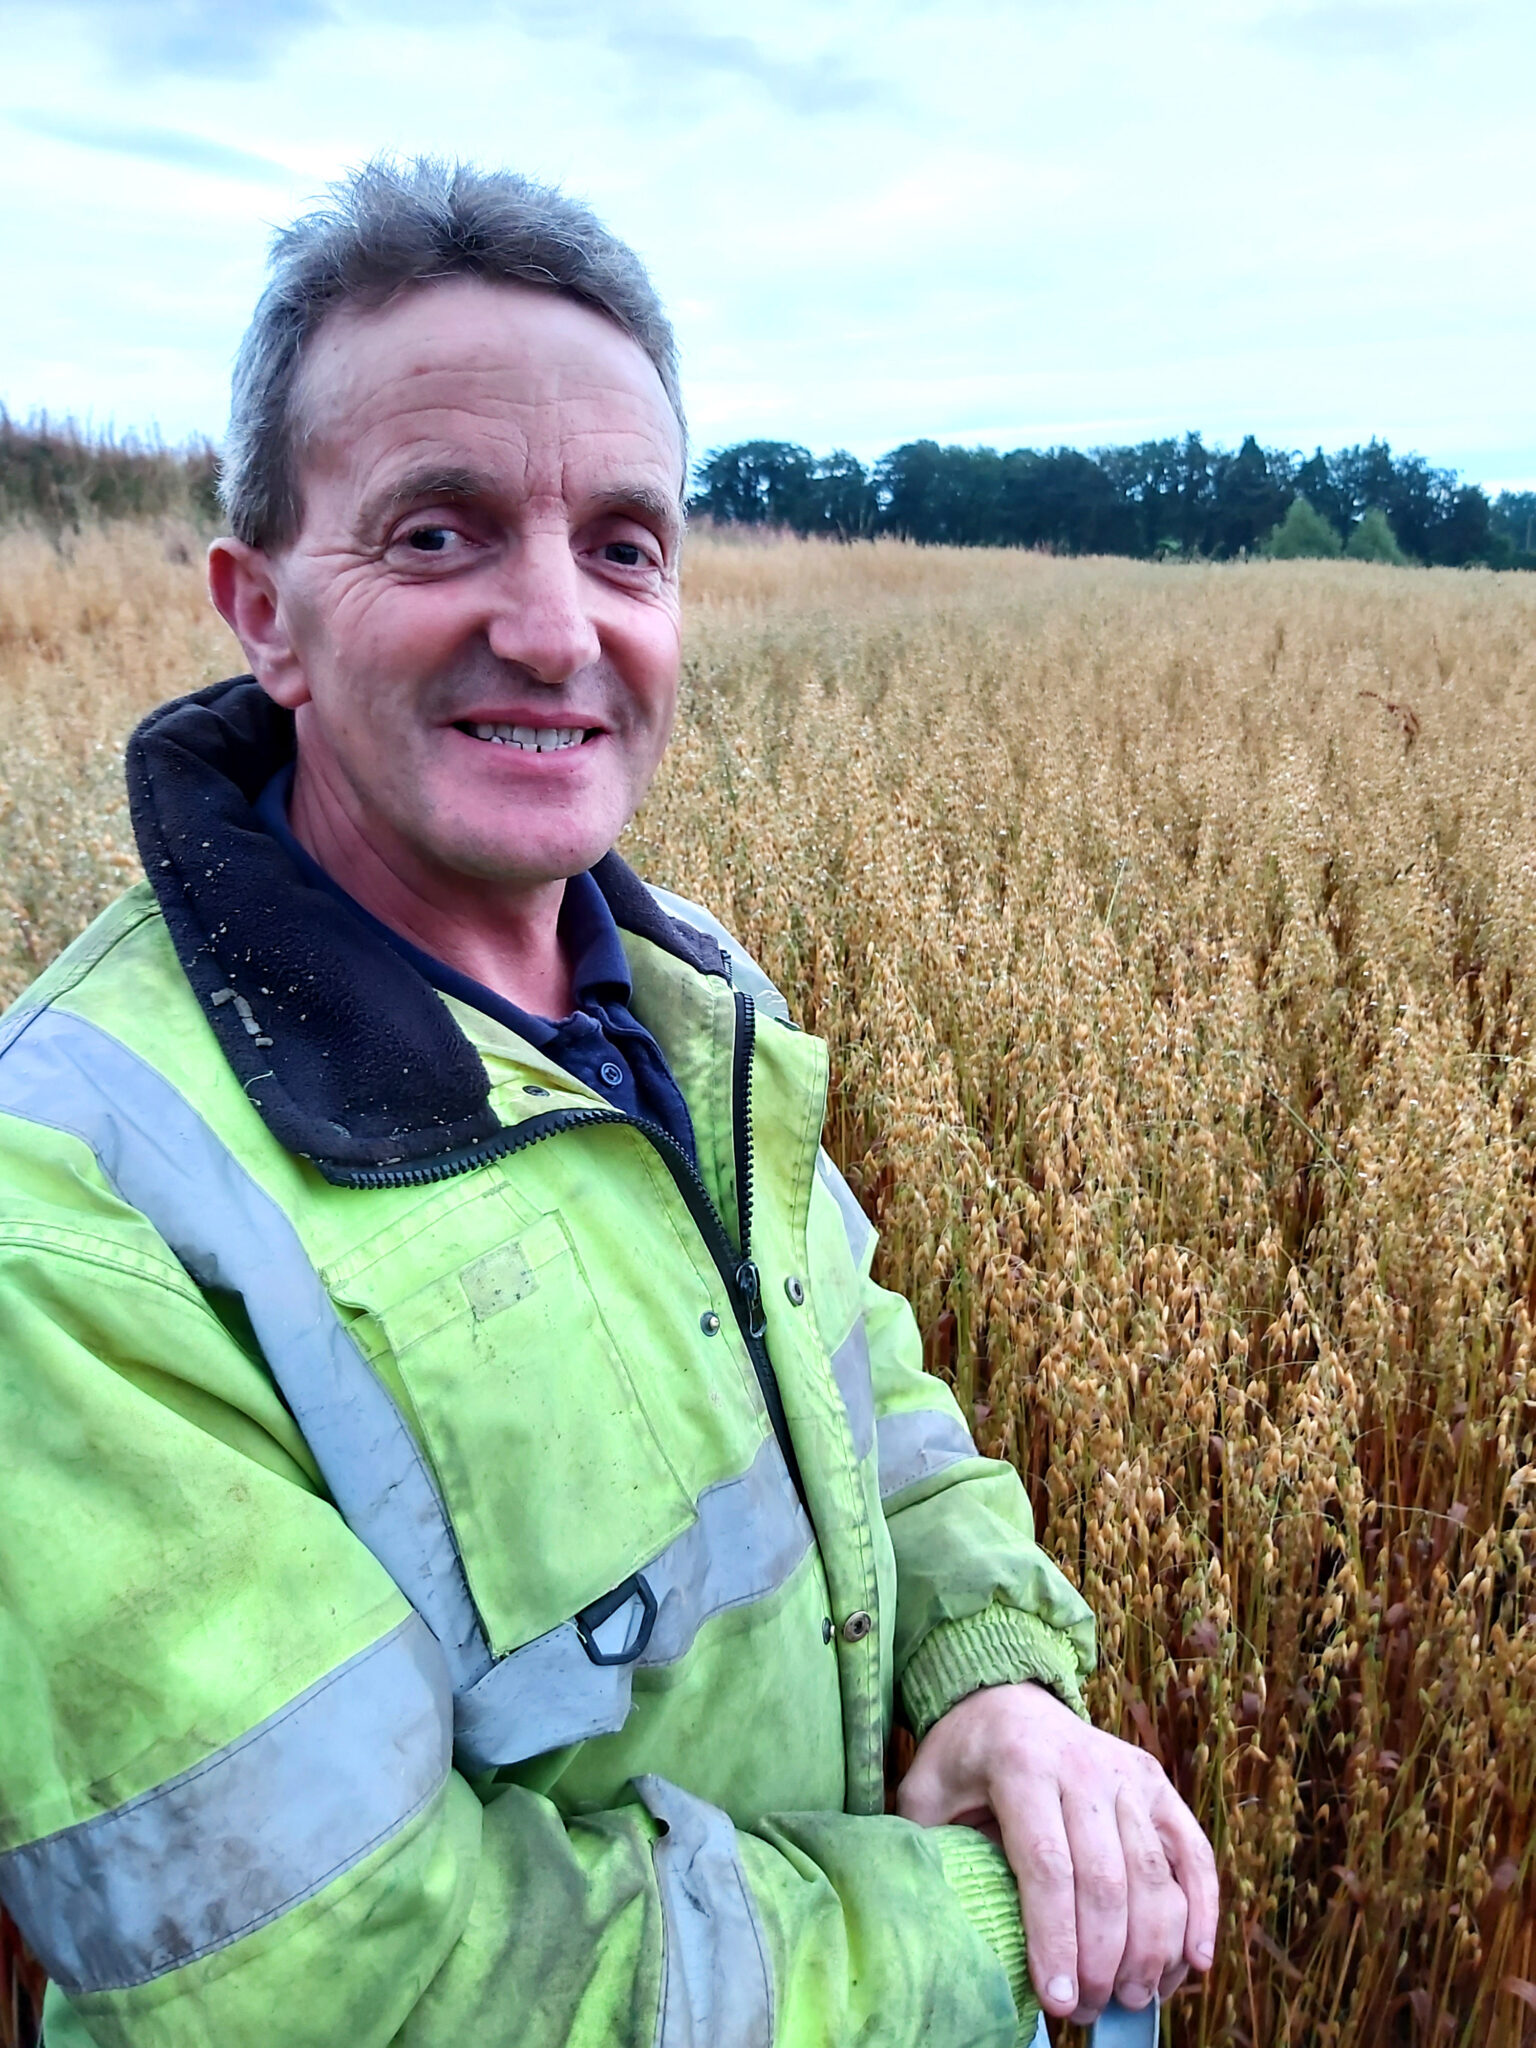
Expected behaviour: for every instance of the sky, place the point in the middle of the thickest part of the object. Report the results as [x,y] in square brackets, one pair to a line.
[1026,223]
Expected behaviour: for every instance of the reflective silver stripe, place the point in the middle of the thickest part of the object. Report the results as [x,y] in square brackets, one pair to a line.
[260,1826]
[750,1537]
[850,1367]
[717,1980]
[229,1233]
[745,972]
[857,1227]
[537,1699]
[917,1443]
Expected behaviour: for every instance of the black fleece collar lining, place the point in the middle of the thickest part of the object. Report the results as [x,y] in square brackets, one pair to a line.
[353,1060]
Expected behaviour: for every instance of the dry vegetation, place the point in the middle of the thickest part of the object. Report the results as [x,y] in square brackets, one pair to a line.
[1174,931]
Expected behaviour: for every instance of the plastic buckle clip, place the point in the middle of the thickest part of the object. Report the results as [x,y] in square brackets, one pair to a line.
[592,1617]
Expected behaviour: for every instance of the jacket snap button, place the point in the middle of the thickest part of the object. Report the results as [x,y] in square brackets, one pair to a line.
[533,1088]
[827,1630]
[611,1074]
[857,1627]
[709,1323]
[795,1289]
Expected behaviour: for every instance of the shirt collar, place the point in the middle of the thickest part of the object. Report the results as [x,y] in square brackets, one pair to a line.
[592,944]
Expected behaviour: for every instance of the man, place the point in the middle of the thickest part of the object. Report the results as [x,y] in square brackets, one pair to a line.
[473,1521]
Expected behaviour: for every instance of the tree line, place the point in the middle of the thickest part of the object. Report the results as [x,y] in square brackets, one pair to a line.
[1174,498]
[1170,498]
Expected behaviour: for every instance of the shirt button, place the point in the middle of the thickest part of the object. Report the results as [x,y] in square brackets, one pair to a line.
[611,1074]
[857,1627]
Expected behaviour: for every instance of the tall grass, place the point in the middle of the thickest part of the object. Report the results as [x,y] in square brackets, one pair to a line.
[1175,934]
[1174,931]
[91,635]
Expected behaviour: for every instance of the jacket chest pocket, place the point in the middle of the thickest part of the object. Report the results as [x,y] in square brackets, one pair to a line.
[554,1478]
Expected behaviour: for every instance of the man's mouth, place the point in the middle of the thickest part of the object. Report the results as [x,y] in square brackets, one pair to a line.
[532,739]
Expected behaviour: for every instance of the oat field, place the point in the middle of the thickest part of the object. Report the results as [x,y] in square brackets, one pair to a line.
[1174,930]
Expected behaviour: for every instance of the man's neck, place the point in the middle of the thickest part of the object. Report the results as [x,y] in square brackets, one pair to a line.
[506,939]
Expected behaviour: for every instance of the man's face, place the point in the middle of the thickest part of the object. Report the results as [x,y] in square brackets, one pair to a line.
[477,623]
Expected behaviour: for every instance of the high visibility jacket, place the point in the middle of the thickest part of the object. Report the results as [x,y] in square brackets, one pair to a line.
[460,1560]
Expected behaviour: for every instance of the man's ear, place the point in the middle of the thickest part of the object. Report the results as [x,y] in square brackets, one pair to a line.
[244,587]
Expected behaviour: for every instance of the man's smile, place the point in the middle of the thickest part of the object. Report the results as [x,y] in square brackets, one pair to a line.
[532,739]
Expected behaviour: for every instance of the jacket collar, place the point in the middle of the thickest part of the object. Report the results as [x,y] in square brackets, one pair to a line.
[350,1056]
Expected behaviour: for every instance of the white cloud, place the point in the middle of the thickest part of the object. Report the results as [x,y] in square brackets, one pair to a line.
[171,146]
[1369,29]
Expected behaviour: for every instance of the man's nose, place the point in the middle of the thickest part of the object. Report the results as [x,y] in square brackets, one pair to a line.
[541,620]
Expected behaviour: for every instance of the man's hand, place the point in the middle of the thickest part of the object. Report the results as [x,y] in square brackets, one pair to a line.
[1116,1882]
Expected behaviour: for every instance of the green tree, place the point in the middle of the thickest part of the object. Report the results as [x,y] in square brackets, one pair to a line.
[1374,541]
[1303,532]
[1513,530]
[755,483]
[944,496]
[1514,513]
[840,498]
[1253,488]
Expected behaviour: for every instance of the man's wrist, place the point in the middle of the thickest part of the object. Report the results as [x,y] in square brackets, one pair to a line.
[999,1646]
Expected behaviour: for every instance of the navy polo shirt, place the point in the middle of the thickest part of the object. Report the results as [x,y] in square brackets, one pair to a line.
[602,1043]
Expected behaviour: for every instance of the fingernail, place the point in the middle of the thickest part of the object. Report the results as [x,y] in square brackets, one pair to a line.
[1136,1996]
[1205,1955]
[1062,1990]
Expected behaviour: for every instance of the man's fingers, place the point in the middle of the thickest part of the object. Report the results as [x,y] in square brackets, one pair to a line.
[941,1786]
[923,1796]
[1035,1841]
[1194,1866]
[1172,1979]
[1156,1909]
[1100,1889]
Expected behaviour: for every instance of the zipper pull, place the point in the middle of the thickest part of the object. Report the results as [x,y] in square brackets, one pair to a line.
[750,1284]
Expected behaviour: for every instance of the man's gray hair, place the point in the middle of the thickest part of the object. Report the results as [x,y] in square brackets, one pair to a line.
[391,226]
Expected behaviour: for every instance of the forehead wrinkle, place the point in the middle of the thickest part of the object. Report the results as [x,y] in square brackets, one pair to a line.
[597,352]
[639,481]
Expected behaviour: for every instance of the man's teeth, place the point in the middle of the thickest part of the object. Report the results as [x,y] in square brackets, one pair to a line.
[538,739]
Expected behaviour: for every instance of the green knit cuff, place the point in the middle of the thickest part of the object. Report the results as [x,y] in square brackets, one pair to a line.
[977,1872]
[999,1646]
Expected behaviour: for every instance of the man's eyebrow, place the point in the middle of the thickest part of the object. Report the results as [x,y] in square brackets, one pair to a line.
[450,482]
[454,483]
[654,507]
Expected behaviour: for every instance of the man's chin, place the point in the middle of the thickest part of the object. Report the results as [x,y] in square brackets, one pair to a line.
[490,864]
[516,845]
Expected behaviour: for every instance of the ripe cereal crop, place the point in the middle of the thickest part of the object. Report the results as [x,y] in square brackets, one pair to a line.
[1174,933]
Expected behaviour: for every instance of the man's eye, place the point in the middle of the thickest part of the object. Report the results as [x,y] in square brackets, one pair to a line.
[626,554]
[431,540]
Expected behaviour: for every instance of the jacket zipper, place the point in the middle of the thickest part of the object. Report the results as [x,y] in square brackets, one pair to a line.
[742,1280]
[748,1279]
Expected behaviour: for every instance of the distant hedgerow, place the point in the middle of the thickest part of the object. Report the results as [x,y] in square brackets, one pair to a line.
[59,476]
